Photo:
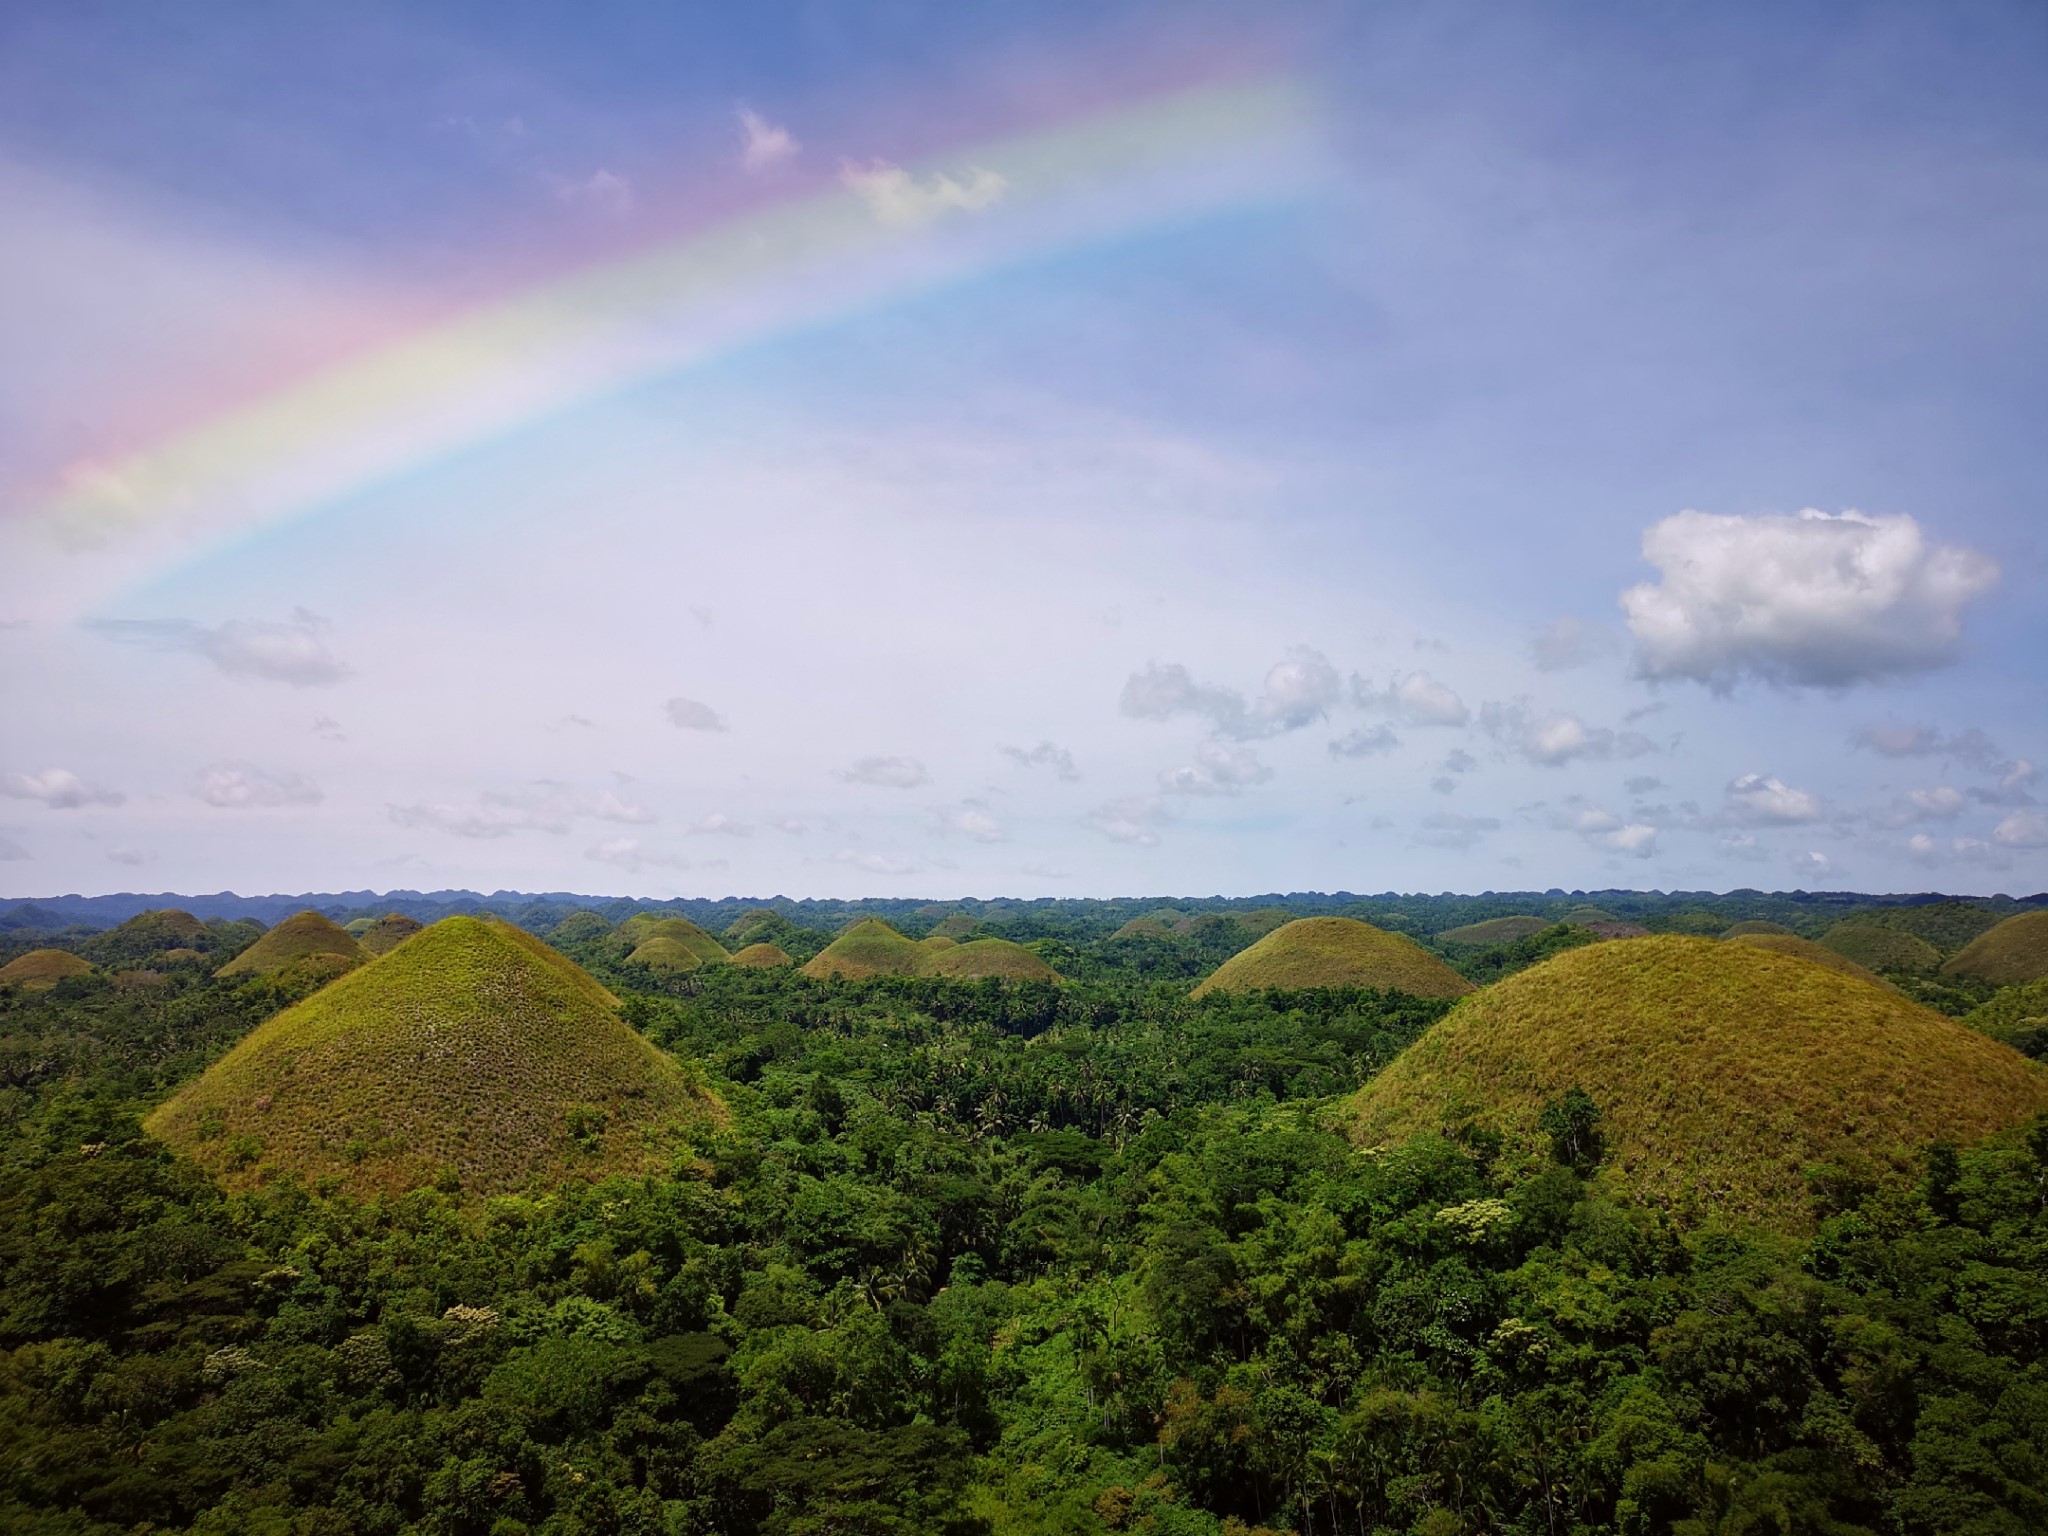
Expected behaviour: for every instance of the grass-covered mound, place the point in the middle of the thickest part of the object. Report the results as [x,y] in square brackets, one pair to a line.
[2015,951]
[1722,1072]
[979,958]
[1947,925]
[584,927]
[1495,930]
[356,927]
[931,943]
[762,957]
[955,926]
[1757,925]
[41,968]
[868,948]
[308,941]
[662,953]
[1335,952]
[1881,949]
[473,1049]
[1585,917]
[2017,1015]
[1805,949]
[677,930]
[388,932]
[1142,928]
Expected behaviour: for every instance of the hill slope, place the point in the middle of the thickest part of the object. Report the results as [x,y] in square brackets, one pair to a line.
[308,940]
[980,958]
[1722,1072]
[41,968]
[869,948]
[1805,949]
[762,957]
[474,1047]
[1335,952]
[1881,949]
[679,931]
[388,932]
[2016,950]
[1495,930]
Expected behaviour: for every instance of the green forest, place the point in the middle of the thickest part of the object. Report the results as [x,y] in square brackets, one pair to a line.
[1018,1257]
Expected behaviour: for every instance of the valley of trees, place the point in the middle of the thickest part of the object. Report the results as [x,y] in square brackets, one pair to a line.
[997,1257]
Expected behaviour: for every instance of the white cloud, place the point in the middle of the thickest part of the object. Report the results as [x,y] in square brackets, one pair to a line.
[691,715]
[1744,846]
[1415,698]
[1760,801]
[876,863]
[1817,600]
[1940,803]
[630,854]
[294,652]
[971,818]
[1813,865]
[1634,839]
[1134,820]
[1045,755]
[1971,747]
[718,824]
[607,806]
[241,786]
[894,196]
[606,191]
[58,788]
[1365,741]
[888,773]
[764,144]
[1557,738]
[1568,643]
[1297,691]
[1217,770]
[2014,778]
[542,807]
[2022,829]
[1446,829]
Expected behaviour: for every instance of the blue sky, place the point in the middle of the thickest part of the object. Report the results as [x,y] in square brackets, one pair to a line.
[1421,510]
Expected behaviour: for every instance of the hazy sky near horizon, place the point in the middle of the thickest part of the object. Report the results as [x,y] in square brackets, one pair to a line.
[1011,450]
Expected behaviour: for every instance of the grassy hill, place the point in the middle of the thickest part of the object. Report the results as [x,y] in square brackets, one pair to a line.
[664,954]
[868,948]
[955,926]
[932,943]
[1757,926]
[2016,950]
[1805,949]
[1585,917]
[1881,949]
[1495,930]
[1335,952]
[677,930]
[308,941]
[41,968]
[2018,1015]
[1722,1072]
[980,958]
[387,932]
[584,927]
[474,1051]
[762,957]
[1142,928]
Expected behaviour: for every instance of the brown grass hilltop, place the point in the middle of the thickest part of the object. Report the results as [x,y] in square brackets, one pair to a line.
[1722,1072]
[1495,930]
[1805,949]
[1335,952]
[388,932]
[647,927]
[868,948]
[980,958]
[473,1049]
[2016,950]
[1881,949]
[40,969]
[1757,925]
[307,940]
[762,957]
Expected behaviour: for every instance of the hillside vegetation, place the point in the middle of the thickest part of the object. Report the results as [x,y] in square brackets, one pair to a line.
[2016,950]
[1879,948]
[1495,930]
[869,948]
[1335,952]
[761,957]
[388,932]
[308,941]
[1805,949]
[1754,926]
[474,1055]
[980,958]
[42,968]
[2018,1015]
[1721,1074]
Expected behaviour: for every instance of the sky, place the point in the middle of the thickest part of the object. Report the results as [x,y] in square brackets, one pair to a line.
[888,449]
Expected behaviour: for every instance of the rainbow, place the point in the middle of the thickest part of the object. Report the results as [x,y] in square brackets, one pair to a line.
[628,319]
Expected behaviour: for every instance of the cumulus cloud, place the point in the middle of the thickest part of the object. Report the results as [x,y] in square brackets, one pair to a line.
[1415,698]
[888,773]
[1554,739]
[605,191]
[1972,748]
[894,196]
[1813,865]
[718,824]
[2022,829]
[1365,741]
[1568,643]
[2011,788]
[1816,600]
[1756,800]
[1940,803]
[1632,838]
[1297,691]
[58,788]
[1045,755]
[242,786]
[1957,850]
[693,715]
[1218,769]
[294,652]
[1446,829]
[971,818]
[629,853]
[764,145]
[1135,820]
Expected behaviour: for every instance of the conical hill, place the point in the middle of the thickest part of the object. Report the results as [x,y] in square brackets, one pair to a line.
[680,931]
[762,957]
[1495,930]
[388,932]
[1881,949]
[42,968]
[473,1050]
[1335,952]
[1743,930]
[1722,1073]
[868,948]
[308,940]
[979,958]
[1805,949]
[2016,950]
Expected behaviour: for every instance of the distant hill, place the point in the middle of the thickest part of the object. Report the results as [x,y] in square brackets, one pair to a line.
[679,931]
[667,955]
[1495,930]
[308,941]
[473,1053]
[1879,948]
[762,957]
[1758,926]
[1721,1072]
[42,968]
[2016,950]
[979,958]
[1947,925]
[870,948]
[955,925]
[388,932]
[1335,952]
[1805,949]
